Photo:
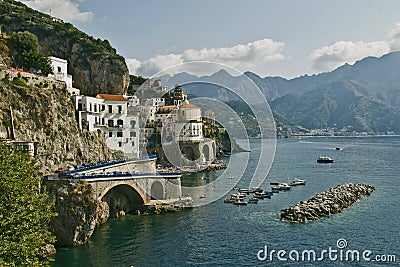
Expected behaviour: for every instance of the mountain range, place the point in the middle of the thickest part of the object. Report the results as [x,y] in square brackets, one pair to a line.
[363,97]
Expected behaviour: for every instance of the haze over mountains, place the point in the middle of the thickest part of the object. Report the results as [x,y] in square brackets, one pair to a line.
[364,97]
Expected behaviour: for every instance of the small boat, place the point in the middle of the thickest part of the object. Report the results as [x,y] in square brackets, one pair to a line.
[203,196]
[240,203]
[281,187]
[246,191]
[238,195]
[256,190]
[324,160]
[265,194]
[338,148]
[253,200]
[297,181]
[274,183]
[231,177]
[229,200]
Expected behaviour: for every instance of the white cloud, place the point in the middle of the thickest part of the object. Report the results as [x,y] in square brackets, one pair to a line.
[394,34]
[63,9]
[133,64]
[242,55]
[330,57]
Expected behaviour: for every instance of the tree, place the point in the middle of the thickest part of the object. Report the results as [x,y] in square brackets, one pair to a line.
[23,41]
[24,211]
[24,47]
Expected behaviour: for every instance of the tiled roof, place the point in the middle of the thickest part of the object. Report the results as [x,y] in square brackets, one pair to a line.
[112,97]
[189,106]
[168,107]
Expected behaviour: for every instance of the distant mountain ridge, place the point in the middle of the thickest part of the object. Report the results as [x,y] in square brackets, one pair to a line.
[362,97]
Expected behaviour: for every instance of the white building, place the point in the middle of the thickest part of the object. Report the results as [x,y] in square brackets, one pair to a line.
[60,73]
[109,113]
[183,122]
[189,123]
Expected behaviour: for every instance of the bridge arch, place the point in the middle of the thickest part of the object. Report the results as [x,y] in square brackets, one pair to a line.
[123,196]
[189,153]
[157,190]
[206,152]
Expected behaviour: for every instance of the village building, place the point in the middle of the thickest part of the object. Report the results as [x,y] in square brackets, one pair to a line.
[109,114]
[60,73]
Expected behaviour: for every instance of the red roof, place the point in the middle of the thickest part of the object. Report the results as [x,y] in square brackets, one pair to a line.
[112,97]
[189,106]
[168,107]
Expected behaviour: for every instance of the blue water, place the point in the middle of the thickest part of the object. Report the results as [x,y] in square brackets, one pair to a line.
[222,234]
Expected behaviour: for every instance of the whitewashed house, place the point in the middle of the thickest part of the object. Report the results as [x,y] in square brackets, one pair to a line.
[60,73]
[109,113]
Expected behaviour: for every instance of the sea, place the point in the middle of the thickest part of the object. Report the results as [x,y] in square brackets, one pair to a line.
[222,234]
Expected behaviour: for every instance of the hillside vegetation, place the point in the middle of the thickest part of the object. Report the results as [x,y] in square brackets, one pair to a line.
[94,63]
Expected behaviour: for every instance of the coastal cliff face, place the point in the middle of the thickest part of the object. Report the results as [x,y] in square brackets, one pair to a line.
[44,113]
[93,63]
[78,211]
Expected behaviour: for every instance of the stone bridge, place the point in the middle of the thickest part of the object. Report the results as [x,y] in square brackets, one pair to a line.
[127,185]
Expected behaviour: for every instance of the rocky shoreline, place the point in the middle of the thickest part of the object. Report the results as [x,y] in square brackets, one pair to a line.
[326,203]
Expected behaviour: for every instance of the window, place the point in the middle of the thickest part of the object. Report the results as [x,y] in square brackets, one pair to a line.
[120,123]
[90,106]
[110,123]
[95,108]
[103,121]
[119,144]
[133,143]
[59,69]
[119,134]
[133,123]
[119,109]
[109,109]
[110,134]
[133,134]
[103,107]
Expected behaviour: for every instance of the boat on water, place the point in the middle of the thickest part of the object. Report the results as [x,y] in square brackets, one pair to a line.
[256,190]
[229,200]
[274,183]
[325,160]
[246,191]
[338,148]
[231,177]
[203,196]
[281,187]
[238,195]
[297,181]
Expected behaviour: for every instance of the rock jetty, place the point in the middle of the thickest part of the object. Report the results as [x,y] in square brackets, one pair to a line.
[329,202]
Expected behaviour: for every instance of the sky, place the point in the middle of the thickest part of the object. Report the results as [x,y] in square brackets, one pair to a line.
[287,38]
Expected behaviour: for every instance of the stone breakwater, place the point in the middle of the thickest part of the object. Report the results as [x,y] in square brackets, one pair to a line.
[324,204]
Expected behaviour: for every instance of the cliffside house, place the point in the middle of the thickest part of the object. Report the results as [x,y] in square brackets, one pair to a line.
[60,73]
[109,114]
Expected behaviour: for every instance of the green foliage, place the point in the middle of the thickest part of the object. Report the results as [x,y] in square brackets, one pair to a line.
[24,212]
[24,49]
[23,41]
[18,81]
[34,59]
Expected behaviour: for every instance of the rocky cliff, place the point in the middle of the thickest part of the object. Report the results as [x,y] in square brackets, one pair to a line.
[78,211]
[44,113]
[93,63]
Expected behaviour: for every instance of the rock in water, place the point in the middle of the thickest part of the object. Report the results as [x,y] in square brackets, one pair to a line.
[324,204]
